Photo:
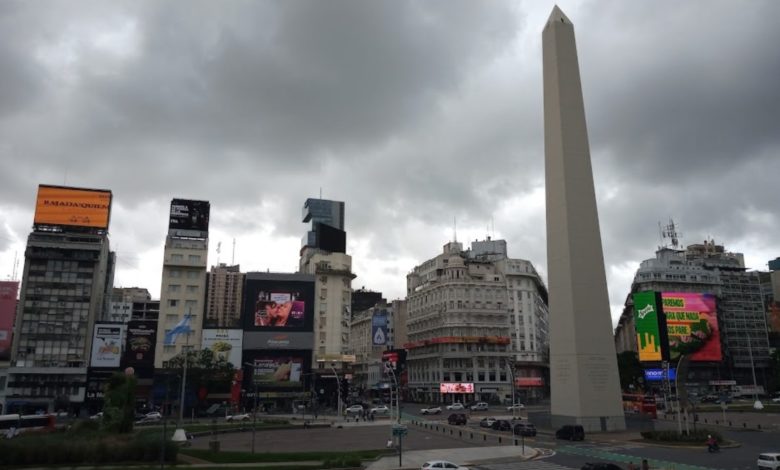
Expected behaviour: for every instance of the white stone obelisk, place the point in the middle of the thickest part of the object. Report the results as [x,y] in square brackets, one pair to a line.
[585,388]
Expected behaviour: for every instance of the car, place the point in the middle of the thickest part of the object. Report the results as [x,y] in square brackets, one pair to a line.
[600,466]
[153,415]
[237,417]
[481,406]
[381,409]
[516,406]
[456,407]
[501,425]
[486,422]
[572,432]
[776,400]
[431,411]
[524,429]
[457,418]
[355,409]
[437,464]
[96,416]
[769,461]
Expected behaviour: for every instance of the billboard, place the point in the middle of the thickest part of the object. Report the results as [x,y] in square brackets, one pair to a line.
[278,371]
[107,345]
[8,290]
[529,382]
[692,326]
[278,304]
[189,215]
[456,387]
[141,339]
[657,375]
[77,207]
[225,343]
[330,238]
[648,329]
[278,340]
[379,328]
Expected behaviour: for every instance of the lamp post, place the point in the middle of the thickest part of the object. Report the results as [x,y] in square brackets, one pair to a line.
[512,375]
[254,410]
[338,387]
[389,368]
[756,403]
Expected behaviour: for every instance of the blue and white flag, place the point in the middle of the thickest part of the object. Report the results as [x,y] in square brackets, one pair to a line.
[182,327]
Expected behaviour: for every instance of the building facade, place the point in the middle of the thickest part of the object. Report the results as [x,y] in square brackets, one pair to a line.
[470,323]
[223,301]
[368,347]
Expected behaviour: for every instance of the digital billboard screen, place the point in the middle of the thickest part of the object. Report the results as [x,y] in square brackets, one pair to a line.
[330,238]
[649,333]
[278,305]
[692,326]
[140,344]
[189,215]
[278,371]
[107,345]
[76,207]
[456,387]
[8,290]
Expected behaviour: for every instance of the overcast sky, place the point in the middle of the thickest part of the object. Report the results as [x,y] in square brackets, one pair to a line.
[413,113]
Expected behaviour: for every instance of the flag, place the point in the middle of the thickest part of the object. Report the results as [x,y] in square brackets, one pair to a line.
[182,327]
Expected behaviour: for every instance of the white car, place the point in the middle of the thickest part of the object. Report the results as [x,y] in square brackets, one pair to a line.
[481,406]
[382,409]
[455,407]
[431,411]
[441,464]
[153,415]
[516,406]
[355,409]
[776,400]
[97,416]
[238,417]
[769,461]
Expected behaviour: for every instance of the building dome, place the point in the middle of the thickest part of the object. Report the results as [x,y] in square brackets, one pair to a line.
[455,262]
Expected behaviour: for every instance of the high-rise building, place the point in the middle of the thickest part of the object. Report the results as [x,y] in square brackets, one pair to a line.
[120,307]
[374,330]
[66,285]
[327,226]
[183,289]
[363,299]
[741,316]
[475,317]
[223,301]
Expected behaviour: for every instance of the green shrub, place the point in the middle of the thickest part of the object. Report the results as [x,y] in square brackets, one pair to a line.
[698,437]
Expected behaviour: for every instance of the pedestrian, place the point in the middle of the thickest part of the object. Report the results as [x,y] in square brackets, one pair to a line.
[645,465]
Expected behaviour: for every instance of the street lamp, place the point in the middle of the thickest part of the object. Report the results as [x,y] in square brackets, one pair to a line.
[512,375]
[389,368]
[338,385]
[254,409]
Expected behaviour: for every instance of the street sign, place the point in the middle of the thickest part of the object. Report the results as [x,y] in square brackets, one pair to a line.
[400,430]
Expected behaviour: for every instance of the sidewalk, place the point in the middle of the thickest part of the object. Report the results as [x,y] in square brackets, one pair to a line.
[471,455]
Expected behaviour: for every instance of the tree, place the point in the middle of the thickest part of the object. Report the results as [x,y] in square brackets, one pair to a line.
[119,405]
[629,368]
[204,369]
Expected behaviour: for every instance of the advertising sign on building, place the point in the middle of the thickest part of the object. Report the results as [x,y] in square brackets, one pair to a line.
[395,359]
[278,371]
[188,215]
[379,328]
[78,207]
[107,345]
[278,340]
[278,304]
[225,343]
[141,339]
[456,387]
[692,326]
[657,375]
[648,330]
[8,290]
[529,382]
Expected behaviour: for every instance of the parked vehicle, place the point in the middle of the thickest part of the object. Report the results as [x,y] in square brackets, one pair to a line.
[501,425]
[525,429]
[572,432]
[380,410]
[480,406]
[769,461]
[154,415]
[237,417]
[516,406]
[486,422]
[355,409]
[441,464]
[456,407]
[431,411]
[97,416]
[457,419]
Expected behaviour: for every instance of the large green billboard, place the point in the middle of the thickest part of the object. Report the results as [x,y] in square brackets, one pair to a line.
[648,333]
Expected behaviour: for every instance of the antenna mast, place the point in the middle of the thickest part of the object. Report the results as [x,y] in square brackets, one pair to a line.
[670,232]
[233,259]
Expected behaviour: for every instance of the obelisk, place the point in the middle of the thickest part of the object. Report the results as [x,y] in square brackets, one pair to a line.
[584,383]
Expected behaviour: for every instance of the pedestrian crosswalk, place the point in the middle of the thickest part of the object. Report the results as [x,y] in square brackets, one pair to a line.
[526,465]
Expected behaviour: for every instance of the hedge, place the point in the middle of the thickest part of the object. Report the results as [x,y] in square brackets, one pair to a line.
[699,436]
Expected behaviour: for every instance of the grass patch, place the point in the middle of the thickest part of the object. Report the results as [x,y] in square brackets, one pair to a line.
[698,437]
[328,458]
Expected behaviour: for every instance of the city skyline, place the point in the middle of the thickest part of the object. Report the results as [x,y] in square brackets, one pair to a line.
[337,99]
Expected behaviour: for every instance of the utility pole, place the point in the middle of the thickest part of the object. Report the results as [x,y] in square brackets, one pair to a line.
[186,352]
[338,387]
[512,375]
[254,410]
[756,403]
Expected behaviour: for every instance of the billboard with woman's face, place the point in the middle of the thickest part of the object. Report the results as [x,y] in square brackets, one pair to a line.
[278,305]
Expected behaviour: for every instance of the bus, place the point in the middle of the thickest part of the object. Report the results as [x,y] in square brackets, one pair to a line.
[24,423]
[637,403]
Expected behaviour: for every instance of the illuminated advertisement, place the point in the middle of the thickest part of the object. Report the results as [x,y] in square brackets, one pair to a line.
[379,328]
[78,207]
[278,371]
[8,290]
[141,339]
[692,326]
[657,375]
[456,387]
[395,359]
[648,329]
[225,344]
[107,345]
[529,382]
[189,215]
[277,302]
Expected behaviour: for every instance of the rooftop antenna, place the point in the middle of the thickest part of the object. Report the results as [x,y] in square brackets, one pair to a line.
[492,227]
[670,232]
[454,229]
[320,192]
[233,259]
[16,266]
[219,250]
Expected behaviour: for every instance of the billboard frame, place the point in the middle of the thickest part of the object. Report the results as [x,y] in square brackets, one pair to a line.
[40,220]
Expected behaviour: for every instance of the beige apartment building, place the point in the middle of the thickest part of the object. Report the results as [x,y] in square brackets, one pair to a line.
[223,300]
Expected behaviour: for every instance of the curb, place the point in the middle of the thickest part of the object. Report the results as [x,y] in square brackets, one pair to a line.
[731,445]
